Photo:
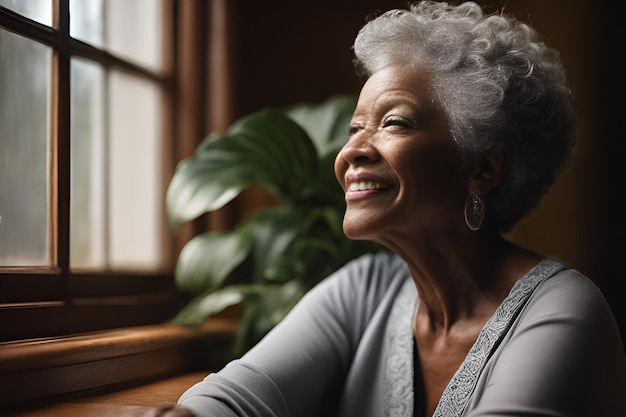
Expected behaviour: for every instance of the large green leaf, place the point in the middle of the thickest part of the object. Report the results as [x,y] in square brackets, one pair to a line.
[326,123]
[197,188]
[266,148]
[274,231]
[198,310]
[207,259]
[266,305]
[287,151]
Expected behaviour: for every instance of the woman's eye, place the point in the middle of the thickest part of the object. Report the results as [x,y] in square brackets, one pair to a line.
[353,129]
[394,121]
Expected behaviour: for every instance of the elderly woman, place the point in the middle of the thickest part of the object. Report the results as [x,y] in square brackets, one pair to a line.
[463,124]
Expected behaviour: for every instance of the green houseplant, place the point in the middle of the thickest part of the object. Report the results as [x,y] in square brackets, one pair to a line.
[281,251]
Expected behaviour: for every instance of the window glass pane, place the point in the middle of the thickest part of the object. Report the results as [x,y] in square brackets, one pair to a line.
[135,174]
[134,29]
[87,21]
[88,157]
[117,214]
[25,68]
[131,30]
[37,10]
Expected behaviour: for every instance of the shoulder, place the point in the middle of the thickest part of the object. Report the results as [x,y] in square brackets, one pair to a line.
[376,266]
[572,306]
[378,262]
[569,293]
[567,333]
[563,352]
[357,290]
[374,273]
[327,324]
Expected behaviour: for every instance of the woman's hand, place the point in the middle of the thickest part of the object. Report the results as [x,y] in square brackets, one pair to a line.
[169,411]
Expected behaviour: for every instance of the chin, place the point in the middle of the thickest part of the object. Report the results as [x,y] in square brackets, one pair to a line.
[359,224]
[362,231]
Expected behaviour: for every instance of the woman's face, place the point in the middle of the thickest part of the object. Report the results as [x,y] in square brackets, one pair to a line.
[400,169]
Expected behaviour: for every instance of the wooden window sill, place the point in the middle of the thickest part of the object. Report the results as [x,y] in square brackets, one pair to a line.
[131,402]
[35,372]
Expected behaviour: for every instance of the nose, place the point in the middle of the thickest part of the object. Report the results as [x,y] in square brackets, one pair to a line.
[358,150]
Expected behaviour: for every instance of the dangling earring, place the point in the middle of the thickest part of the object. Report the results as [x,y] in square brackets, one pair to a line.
[474,211]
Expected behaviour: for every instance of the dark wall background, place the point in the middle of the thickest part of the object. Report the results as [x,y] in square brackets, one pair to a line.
[285,53]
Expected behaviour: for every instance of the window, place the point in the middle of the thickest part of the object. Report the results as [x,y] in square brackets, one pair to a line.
[89,95]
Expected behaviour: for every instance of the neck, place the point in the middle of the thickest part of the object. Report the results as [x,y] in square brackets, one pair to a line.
[463,281]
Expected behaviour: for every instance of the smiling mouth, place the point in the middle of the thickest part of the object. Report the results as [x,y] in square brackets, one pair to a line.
[364,185]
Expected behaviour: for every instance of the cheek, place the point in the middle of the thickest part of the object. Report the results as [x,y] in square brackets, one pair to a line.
[432,176]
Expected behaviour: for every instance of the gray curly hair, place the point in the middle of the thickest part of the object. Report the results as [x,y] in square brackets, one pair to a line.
[497,82]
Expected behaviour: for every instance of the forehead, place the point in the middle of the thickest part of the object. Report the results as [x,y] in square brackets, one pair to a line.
[398,86]
[399,82]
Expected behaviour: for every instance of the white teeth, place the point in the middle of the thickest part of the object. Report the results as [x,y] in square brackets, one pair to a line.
[362,186]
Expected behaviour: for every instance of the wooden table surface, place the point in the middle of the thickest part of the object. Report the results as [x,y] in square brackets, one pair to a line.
[132,402]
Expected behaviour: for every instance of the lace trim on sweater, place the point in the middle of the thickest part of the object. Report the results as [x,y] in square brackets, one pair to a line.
[399,376]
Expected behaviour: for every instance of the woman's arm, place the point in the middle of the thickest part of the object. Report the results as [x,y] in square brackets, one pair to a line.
[299,367]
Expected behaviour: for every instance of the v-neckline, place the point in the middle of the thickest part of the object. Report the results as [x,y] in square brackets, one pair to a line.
[458,391]
[403,367]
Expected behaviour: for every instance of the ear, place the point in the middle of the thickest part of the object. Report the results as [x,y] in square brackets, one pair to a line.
[488,170]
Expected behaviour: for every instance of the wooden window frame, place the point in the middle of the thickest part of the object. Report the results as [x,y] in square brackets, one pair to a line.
[72,302]
[53,313]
